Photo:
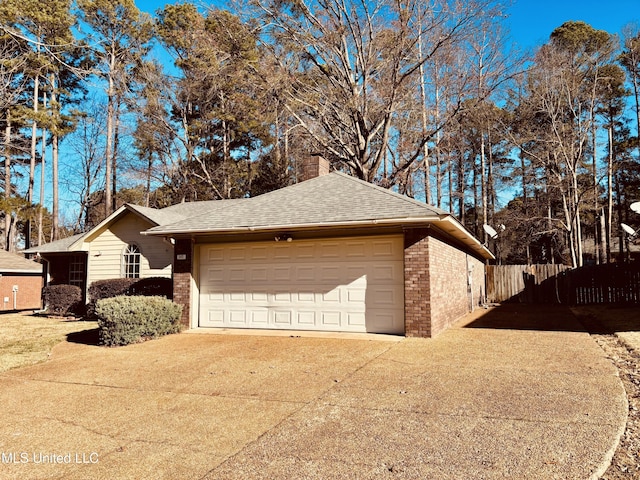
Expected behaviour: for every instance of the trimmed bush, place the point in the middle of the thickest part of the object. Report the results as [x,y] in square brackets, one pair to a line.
[115,287]
[123,320]
[63,300]
[109,288]
[152,287]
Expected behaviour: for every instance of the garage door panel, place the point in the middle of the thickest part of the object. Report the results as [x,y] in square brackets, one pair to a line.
[306,297]
[259,274]
[237,253]
[259,317]
[339,284]
[383,249]
[215,318]
[356,249]
[238,297]
[304,251]
[258,297]
[282,318]
[382,320]
[330,250]
[282,274]
[306,318]
[257,253]
[356,320]
[214,254]
[330,319]
[282,297]
[391,273]
[238,317]
[215,297]
[306,273]
[215,275]
[388,297]
[330,274]
[356,295]
[331,297]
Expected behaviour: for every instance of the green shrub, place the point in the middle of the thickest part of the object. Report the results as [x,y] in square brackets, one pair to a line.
[151,287]
[63,300]
[115,287]
[109,288]
[123,320]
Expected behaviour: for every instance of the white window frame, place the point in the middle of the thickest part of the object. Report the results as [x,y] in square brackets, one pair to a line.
[131,261]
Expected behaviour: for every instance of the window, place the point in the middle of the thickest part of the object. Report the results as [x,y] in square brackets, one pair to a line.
[76,270]
[131,261]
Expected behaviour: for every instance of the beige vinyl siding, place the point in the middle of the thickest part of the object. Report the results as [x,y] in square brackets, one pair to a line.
[105,250]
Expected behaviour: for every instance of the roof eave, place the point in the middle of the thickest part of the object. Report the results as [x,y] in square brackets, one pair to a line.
[446,223]
[295,227]
[453,227]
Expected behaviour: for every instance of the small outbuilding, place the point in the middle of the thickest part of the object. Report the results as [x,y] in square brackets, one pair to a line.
[20,283]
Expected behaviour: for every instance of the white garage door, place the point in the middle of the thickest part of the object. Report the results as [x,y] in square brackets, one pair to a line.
[351,284]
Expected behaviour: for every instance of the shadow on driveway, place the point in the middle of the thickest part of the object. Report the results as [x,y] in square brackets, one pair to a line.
[552,318]
[593,319]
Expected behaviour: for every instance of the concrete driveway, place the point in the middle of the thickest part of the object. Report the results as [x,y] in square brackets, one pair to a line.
[501,396]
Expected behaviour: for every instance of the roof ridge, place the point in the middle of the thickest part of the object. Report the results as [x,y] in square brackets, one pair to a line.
[390,192]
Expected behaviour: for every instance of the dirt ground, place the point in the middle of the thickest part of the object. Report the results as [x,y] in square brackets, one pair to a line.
[616,331]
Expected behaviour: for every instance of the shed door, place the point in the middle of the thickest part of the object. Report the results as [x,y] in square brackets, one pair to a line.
[353,284]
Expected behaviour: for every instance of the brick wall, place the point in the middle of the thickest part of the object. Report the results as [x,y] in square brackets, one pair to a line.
[28,296]
[182,268]
[449,284]
[437,290]
[478,284]
[417,295]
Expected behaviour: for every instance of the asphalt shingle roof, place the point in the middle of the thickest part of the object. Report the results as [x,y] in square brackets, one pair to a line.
[335,198]
[61,245]
[12,263]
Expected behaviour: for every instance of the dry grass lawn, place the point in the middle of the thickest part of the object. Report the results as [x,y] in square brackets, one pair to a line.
[28,339]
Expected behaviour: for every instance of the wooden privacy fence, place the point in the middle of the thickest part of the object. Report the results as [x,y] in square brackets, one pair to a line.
[610,283]
[521,283]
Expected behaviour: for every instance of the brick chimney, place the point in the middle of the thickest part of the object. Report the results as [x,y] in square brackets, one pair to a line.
[313,166]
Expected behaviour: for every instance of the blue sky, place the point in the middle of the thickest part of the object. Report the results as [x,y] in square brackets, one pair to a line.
[532,21]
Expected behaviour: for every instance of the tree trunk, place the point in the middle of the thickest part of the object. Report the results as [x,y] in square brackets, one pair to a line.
[54,167]
[114,157]
[483,186]
[55,233]
[7,182]
[609,193]
[32,162]
[423,107]
[597,239]
[109,140]
[42,182]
